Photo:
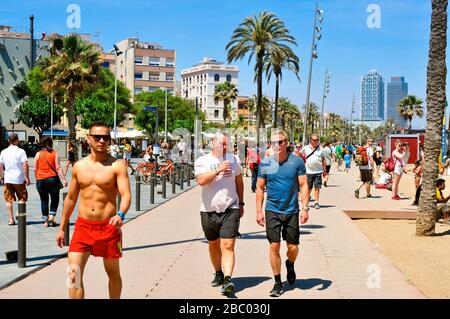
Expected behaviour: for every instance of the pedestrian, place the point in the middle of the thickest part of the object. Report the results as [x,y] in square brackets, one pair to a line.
[15,171]
[284,175]
[364,158]
[443,208]
[114,149]
[97,179]
[220,175]
[165,148]
[48,173]
[70,156]
[378,159]
[347,160]
[253,161]
[398,155]
[315,167]
[339,155]
[327,154]
[148,155]
[127,149]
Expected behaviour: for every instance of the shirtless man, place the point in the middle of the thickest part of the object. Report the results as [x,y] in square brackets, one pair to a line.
[97,179]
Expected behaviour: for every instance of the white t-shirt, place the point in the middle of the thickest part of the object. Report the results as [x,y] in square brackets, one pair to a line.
[114,150]
[13,158]
[369,151]
[384,178]
[314,164]
[221,193]
[182,146]
[327,154]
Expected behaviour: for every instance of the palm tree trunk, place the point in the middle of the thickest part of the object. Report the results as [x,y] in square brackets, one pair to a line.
[72,123]
[259,114]
[275,116]
[224,113]
[436,77]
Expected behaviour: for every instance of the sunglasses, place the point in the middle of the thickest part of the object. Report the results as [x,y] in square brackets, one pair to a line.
[97,138]
[314,140]
[277,142]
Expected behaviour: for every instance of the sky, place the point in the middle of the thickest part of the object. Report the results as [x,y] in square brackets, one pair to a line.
[349,48]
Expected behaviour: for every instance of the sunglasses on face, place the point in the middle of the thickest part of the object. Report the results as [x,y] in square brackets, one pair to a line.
[277,142]
[314,140]
[97,138]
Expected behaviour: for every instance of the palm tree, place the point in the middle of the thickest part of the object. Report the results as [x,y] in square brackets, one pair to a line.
[72,68]
[313,115]
[288,112]
[274,64]
[410,106]
[265,108]
[240,122]
[258,35]
[436,88]
[227,93]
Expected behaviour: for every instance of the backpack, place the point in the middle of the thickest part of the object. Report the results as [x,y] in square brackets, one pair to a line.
[389,164]
[361,156]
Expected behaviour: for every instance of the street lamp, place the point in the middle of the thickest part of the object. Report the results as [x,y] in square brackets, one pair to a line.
[326,90]
[318,18]
[117,52]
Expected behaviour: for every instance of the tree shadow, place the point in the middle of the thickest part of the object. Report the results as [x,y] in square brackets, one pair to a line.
[306,284]
[324,206]
[373,196]
[334,186]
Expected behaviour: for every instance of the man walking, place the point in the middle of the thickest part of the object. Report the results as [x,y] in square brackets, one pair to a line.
[98,178]
[327,154]
[364,158]
[14,170]
[284,174]
[253,161]
[220,175]
[315,167]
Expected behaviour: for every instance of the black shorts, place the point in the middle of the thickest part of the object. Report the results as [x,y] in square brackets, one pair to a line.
[220,225]
[366,175]
[287,225]
[328,169]
[314,180]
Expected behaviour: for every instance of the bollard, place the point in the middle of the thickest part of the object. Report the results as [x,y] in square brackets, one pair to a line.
[138,193]
[172,179]
[188,179]
[152,188]
[67,226]
[182,178]
[163,183]
[22,233]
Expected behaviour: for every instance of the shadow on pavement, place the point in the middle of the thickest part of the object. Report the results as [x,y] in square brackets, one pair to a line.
[164,244]
[306,284]
[334,185]
[243,283]
[446,233]
[321,206]
[312,226]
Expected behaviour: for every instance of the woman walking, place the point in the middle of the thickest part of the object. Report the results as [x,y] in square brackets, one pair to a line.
[398,156]
[70,156]
[48,172]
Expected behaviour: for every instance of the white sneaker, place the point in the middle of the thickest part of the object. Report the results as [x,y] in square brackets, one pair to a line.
[316,206]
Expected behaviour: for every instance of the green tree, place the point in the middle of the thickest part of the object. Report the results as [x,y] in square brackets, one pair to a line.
[409,107]
[436,97]
[274,63]
[228,93]
[72,68]
[265,108]
[258,36]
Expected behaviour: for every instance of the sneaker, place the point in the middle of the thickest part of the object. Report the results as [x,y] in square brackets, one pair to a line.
[51,220]
[369,196]
[316,206]
[227,288]
[277,290]
[290,272]
[325,184]
[357,193]
[218,280]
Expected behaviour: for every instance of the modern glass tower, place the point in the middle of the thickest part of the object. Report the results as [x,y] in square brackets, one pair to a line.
[397,89]
[372,97]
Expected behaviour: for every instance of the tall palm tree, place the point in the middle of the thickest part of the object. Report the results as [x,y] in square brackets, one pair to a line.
[73,68]
[313,115]
[265,108]
[288,112]
[436,88]
[258,35]
[409,107]
[226,92]
[274,63]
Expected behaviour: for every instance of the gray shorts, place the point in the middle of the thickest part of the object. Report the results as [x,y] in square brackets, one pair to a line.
[286,225]
[220,225]
[314,180]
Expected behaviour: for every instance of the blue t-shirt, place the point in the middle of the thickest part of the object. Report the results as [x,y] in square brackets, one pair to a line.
[282,183]
[347,158]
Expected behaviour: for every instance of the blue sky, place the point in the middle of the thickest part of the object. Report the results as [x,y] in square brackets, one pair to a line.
[199,28]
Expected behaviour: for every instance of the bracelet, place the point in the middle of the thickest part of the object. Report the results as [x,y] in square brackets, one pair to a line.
[121,215]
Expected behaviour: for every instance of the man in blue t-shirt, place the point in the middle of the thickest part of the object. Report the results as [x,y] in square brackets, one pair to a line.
[284,174]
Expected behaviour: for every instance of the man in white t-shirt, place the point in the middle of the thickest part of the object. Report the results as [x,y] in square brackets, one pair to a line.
[220,175]
[327,153]
[14,170]
[366,170]
[315,167]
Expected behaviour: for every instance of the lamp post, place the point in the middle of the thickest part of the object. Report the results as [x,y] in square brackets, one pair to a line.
[165,118]
[326,90]
[351,119]
[117,52]
[318,17]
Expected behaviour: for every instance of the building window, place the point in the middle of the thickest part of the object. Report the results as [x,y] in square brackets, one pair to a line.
[137,91]
[228,78]
[170,63]
[138,75]
[154,62]
[152,89]
[216,114]
[169,77]
[216,77]
[154,76]
[137,60]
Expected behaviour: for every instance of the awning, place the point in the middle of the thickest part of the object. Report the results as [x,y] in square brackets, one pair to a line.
[56,133]
[129,134]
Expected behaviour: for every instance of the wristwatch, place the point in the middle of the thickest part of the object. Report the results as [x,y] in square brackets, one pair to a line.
[242,204]
[306,208]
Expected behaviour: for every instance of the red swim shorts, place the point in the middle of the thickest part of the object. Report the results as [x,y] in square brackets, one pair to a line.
[97,237]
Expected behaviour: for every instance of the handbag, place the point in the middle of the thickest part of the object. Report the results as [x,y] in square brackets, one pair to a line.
[61,185]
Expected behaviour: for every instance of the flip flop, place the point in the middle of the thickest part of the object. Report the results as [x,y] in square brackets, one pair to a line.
[13,224]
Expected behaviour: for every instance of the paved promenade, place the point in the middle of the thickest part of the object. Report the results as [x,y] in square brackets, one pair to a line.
[166,255]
